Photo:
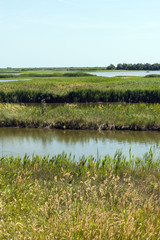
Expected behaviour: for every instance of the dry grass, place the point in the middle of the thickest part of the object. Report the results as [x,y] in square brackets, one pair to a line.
[39,203]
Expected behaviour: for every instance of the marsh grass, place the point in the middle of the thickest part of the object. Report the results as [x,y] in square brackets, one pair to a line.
[58,198]
[81,95]
[77,87]
[43,74]
[73,116]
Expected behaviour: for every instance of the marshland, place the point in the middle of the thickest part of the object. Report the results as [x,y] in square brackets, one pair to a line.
[58,197]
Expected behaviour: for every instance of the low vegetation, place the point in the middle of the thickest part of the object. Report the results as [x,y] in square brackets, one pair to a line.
[42,75]
[63,86]
[120,116]
[59,198]
[152,76]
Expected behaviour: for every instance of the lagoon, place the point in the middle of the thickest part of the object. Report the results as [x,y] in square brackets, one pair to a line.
[124,73]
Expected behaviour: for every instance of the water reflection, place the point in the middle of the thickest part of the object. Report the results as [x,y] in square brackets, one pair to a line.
[14,141]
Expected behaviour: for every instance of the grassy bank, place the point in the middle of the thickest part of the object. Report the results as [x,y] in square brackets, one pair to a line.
[73,116]
[58,198]
[77,87]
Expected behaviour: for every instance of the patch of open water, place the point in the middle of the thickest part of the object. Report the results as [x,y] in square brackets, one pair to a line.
[14,141]
[13,80]
[125,74]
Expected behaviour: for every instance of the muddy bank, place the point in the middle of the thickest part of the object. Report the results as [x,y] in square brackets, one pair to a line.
[79,126]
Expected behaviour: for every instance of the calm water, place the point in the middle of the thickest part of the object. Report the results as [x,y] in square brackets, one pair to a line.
[127,73]
[14,141]
[13,80]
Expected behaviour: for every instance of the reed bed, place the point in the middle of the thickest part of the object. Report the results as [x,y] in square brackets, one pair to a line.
[77,87]
[59,198]
[81,95]
[115,116]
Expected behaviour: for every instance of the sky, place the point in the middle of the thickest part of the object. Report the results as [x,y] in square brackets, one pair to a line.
[78,33]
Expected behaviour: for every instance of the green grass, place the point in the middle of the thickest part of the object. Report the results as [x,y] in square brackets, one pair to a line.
[58,198]
[43,74]
[73,116]
[73,86]
[66,86]
[65,83]
[66,89]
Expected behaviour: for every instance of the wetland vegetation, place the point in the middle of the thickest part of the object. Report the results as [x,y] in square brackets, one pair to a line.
[73,87]
[115,116]
[59,198]
[79,87]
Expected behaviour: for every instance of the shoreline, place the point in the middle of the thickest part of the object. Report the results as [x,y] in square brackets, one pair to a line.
[102,127]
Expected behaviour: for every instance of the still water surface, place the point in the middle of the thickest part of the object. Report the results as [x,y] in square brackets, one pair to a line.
[14,141]
[12,80]
[126,74]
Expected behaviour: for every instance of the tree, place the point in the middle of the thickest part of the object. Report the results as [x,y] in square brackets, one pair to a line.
[111,67]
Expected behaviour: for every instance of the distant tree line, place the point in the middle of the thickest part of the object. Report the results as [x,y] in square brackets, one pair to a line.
[138,66]
[120,66]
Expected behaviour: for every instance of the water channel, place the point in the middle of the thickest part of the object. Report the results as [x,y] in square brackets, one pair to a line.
[14,141]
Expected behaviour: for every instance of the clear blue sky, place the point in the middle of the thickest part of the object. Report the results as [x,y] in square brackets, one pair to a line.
[69,33]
